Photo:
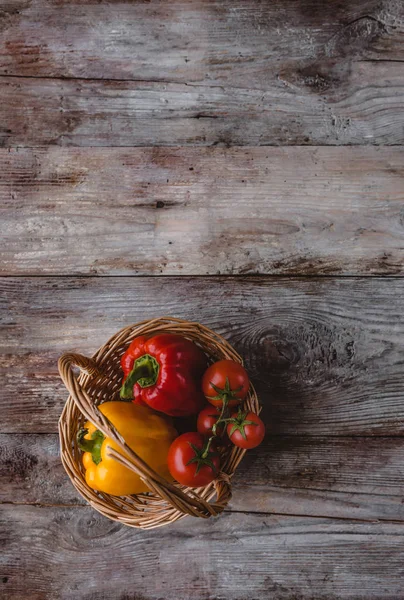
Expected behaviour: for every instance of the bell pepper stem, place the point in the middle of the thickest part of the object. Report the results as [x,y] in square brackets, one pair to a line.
[92,445]
[85,445]
[145,372]
[137,373]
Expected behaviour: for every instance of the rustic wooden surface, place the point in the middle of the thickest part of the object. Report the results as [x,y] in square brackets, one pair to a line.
[166,198]
[326,354]
[337,477]
[232,42]
[246,556]
[41,111]
[197,211]
[202,72]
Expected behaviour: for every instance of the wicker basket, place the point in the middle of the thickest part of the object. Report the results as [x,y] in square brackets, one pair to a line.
[100,380]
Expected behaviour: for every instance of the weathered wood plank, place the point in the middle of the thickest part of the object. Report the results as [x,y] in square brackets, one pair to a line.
[31,471]
[238,42]
[352,478]
[337,477]
[69,553]
[326,354]
[200,211]
[119,113]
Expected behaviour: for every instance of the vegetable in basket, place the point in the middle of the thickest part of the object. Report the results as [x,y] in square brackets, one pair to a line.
[207,419]
[193,459]
[226,382]
[147,433]
[192,462]
[245,429]
[164,372]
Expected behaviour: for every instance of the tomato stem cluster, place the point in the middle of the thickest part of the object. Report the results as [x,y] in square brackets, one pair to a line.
[239,422]
[226,393]
[219,421]
[201,458]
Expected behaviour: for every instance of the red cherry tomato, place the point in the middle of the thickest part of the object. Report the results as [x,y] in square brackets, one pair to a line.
[246,429]
[206,419]
[225,380]
[186,463]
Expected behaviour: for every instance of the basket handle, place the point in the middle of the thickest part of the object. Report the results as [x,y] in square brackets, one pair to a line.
[85,364]
[182,502]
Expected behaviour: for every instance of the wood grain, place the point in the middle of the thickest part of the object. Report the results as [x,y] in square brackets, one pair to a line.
[326,354]
[282,558]
[351,478]
[236,43]
[41,112]
[184,211]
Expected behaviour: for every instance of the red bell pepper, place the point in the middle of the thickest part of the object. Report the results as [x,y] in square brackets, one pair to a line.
[164,372]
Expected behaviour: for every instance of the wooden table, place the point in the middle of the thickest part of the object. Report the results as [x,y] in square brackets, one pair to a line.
[239,163]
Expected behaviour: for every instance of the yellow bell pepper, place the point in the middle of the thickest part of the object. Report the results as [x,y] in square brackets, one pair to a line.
[148,434]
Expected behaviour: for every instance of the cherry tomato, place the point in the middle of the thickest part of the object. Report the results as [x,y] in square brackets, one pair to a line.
[206,419]
[225,380]
[246,429]
[186,463]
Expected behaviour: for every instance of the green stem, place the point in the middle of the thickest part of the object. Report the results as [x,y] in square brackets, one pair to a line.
[85,445]
[93,445]
[215,426]
[126,392]
[145,372]
[225,393]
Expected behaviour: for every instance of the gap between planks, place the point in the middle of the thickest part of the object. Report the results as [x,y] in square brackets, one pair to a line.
[223,86]
[251,276]
[229,511]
